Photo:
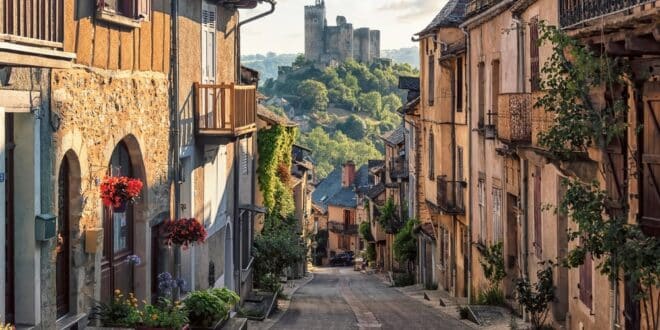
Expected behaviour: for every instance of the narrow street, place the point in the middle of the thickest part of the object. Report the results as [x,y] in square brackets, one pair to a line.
[340,298]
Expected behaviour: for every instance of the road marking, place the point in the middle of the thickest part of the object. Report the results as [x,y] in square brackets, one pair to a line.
[365,318]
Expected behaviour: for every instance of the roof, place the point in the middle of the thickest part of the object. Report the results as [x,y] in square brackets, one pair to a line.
[273,118]
[327,188]
[451,15]
[362,180]
[410,106]
[374,163]
[345,197]
[426,229]
[394,137]
[409,83]
[375,191]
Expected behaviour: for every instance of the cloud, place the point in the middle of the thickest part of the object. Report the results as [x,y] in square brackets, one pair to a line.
[412,10]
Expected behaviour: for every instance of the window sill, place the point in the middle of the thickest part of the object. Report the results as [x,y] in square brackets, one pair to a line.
[117,19]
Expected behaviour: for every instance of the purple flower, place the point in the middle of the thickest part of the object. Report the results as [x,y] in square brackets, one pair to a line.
[181,284]
[134,259]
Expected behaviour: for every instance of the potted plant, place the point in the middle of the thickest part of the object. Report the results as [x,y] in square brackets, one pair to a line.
[185,232]
[121,312]
[205,310]
[118,191]
[164,315]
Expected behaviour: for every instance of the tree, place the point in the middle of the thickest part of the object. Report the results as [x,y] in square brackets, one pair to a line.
[370,103]
[536,299]
[354,127]
[391,103]
[492,263]
[405,245]
[313,96]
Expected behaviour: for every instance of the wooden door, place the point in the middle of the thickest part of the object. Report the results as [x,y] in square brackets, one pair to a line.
[651,160]
[9,219]
[116,271]
[511,253]
[63,245]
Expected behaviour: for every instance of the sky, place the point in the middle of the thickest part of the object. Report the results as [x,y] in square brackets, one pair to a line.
[283,31]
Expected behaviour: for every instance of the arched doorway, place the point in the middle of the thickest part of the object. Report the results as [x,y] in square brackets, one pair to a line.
[119,228]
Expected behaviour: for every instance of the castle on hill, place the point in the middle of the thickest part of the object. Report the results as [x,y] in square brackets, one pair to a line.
[327,44]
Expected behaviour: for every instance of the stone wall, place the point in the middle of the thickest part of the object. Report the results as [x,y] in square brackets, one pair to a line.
[92,111]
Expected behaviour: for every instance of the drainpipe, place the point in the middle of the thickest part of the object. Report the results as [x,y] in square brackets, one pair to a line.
[237,45]
[468,64]
[175,125]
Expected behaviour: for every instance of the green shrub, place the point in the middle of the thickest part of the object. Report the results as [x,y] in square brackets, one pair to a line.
[205,308]
[270,283]
[463,312]
[492,296]
[164,314]
[537,298]
[230,297]
[405,245]
[371,253]
[403,279]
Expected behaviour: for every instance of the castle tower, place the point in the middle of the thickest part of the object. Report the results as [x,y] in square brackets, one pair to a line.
[361,45]
[315,31]
[374,48]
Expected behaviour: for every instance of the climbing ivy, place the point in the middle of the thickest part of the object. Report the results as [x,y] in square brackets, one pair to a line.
[571,77]
[275,147]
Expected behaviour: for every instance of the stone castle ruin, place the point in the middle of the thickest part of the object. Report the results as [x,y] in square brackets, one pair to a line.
[327,44]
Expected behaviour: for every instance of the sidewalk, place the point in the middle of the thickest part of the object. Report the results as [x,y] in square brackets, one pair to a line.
[288,291]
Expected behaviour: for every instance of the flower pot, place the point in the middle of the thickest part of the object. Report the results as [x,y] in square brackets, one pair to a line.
[217,325]
[121,208]
[185,327]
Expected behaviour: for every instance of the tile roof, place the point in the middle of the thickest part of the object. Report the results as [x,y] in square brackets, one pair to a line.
[427,229]
[327,188]
[345,197]
[410,106]
[409,83]
[375,191]
[330,191]
[273,118]
[451,15]
[394,137]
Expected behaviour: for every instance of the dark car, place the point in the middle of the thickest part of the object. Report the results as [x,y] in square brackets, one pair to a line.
[342,259]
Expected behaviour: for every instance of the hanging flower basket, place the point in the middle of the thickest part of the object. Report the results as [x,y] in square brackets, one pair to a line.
[118,191]
[185,232]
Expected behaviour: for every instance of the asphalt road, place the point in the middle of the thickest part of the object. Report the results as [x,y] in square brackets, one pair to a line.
[339,298]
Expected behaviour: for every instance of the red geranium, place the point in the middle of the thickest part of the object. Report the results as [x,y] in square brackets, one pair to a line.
[185,232]
[116,190]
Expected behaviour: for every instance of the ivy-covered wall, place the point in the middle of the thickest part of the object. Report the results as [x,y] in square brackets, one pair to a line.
[273,171]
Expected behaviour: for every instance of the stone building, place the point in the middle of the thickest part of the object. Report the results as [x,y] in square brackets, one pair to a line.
[442,136]
[326,44]
[91,95]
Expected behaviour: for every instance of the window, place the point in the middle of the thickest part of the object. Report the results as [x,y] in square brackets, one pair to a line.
[534,54]
[431,157]
[495,92]
[459,84]
[459,176]
[586,283]
[538,238]
[431,78]
[482,93]
[482,209]
[138,9]
[497,214]
[244,159]
[444,247]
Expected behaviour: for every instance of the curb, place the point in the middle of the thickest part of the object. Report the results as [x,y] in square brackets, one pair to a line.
[270,322]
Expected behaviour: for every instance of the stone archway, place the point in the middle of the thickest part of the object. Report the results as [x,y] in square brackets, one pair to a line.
[69,204]
[128,233]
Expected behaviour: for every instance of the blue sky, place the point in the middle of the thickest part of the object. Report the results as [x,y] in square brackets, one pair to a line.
[283,31]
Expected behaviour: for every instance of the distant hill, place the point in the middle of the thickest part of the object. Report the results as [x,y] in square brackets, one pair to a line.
[408,55]
[267,64]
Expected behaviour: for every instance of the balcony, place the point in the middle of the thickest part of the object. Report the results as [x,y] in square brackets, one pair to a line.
[342,228]
[33,22]
[541,120]
[225,110]
[573,12]
[450,196]
[514,118]
[398,168]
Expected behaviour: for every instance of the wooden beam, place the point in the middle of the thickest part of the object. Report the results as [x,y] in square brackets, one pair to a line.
[642,45]
[19,101]
[616,49]
[13,58]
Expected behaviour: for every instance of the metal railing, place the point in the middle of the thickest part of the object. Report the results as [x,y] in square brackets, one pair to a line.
[577,11]
[38,22]
[515,117]
[450,195]
[225,109]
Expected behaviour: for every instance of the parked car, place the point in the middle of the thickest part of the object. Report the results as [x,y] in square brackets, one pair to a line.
[342,259]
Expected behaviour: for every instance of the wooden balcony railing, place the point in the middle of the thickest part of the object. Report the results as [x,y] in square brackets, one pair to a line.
[398,168]
[514,117]
[450,195]
[33,22]
[541,120]
[342,228]
[572,12]
[225,110]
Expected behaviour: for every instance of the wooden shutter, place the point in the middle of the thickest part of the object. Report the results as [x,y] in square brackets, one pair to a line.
[431,91]
[497,214]
[586,282]
[538,238]
[208,42]
[651,160]
[244,157]
[495,92]
[534,54]
[143,9]
[482,93]
[431,157]
[482,209]
[459,84]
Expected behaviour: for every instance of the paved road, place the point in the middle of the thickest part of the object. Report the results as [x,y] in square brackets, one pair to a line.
[339,298]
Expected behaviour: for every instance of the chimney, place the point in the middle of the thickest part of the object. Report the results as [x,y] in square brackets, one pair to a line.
[348,174]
